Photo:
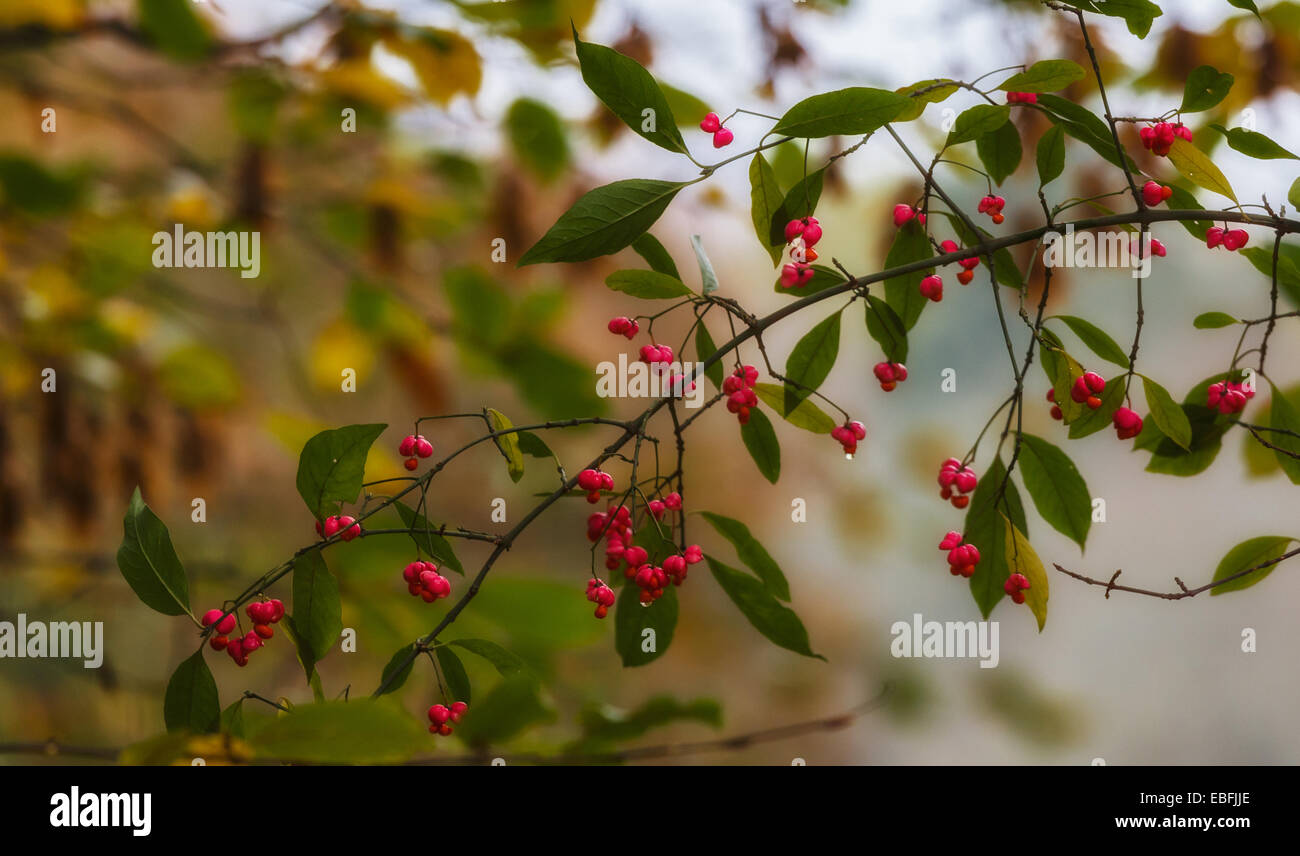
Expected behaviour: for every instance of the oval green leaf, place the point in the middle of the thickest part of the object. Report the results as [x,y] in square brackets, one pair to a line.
[149,563]
[603,221]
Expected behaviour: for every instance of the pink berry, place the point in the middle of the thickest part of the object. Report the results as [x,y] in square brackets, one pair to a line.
[722,137]
[711,123]
[903,213]
[407,446]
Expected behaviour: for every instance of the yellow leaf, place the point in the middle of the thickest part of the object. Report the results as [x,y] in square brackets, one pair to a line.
[338,346]
[1197,168]
[445,61]
[1022,559]
[356,78]
[56,14]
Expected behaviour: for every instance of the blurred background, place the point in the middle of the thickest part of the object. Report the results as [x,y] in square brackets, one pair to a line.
[472,123]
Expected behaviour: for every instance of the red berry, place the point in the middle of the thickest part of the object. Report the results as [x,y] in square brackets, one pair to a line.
[722,137]
[1127,423]
[932,287]
[710,123]
[407,446]
[423,448]
[411,463]
[438,714]
[903,213]
[263,630]
[218,642]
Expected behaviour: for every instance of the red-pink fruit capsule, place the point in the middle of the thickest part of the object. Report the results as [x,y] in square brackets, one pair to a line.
[407,446]
[951,540]
[423,448]
[903,213]
[438,714]
[710,123]
[1213,237]
[722,137]
[965,481]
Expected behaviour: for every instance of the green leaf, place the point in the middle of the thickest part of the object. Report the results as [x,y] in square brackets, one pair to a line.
[845,112]
[1213,320]
[800,202]
[232,719]
[760,439]
[1058,491]
[687,108]
[751,553]
[646,284]
[508,443]
[1184,200]
[1197,168]
[811,361]
[1293,195]
[704,348]
[603,221]
[778,623]
[332,467]
[480,306]
[823,278]
[1248,5]
[360,731]
[917,100]
[149,563]
[1086,127]
[1284,416]
[902,292]
[1062,370]
[1022,559]
[1051,155]
[1167,414]
[395,671]
[629,90]
[600,722]
[1000,151]
[191,699]
[1206,87]
[985,529]
[887,329]
[1092,421]
[537,138]
[1137,14]
[175,28]
[303,650]
[1169,458]
[1049,75]
[638,627]
[453,672]
[317,611]
[502,660]
[1097,340]
[512,706]
[1254,144]
[708,279]
[807,415]
[765,201]
[1288,267]
[1249,554]
[425,535]
[977,121]
[648,247]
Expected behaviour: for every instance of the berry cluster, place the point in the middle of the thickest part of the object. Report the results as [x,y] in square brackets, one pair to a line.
[424,581]
[601,595]
[1127,423]
[1228,396]
[1159,138]
[932,287]
[1056,408]
[968,265]
[622,326]
[413,447]
[652,580]
[848,436]
[1087,389]
[711,124]
[344,526]
[671,502]
[739,389]
[441,716]
[593,482]
[262,613]
[1016,586]
[956,483]
[890,375]
[1022,98]
[1229,239]
[656,355]
[1154,193]
[992,206]
[616,530]
[962,558]
[904,213]
[802,235]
